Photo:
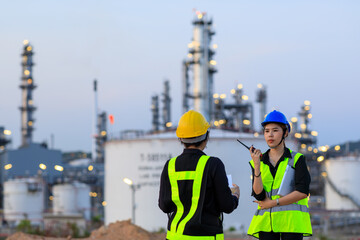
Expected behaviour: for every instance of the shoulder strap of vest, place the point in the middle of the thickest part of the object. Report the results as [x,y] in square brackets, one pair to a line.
[175,176]
[294,158]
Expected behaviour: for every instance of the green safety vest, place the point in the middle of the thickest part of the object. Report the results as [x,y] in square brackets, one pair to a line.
[177,227]
[293,218]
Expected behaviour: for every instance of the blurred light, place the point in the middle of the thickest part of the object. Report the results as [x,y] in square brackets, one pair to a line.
[216,123]
[51,198]
[314,133]
[260,85]
[246,122]
[104,203]
[298,135]
[111,119]
[168,124]
[315,150]
[26,72]
[217,101]
[251,176]
[90,168]
[26,42]
[215,46]
[303,146]
[337,147]
[324,174]
[200,16]
[310,149]
[294,119]
[240,86]
[42,166]
[222,121]
[222,96]
[92,194]
[7,132]
[190,45]
[189,55]
[244,97]
[103,133]
[256,134]
[303,126]
[215,95]
[59,168]
[29,48]
[307,102]
[8,166]
[320,158]
[29,81]
[30,123]
[128,181]
[307,108]
[233,91]
[213,62]
[30,102]
[309,115]
[323,148]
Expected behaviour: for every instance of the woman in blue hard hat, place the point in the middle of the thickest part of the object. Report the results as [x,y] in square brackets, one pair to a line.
[194,189]
[280,215]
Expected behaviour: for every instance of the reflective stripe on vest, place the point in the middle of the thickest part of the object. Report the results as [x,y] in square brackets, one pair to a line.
[176,236]
[294,217]
[291,207]
[177,227]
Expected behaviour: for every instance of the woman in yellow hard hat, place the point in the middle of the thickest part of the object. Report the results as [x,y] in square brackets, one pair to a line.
[194,189]
[283,211]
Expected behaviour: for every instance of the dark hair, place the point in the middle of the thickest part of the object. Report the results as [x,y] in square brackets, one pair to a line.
[196,144]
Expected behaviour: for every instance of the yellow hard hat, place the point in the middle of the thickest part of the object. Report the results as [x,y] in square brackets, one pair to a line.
[192,124]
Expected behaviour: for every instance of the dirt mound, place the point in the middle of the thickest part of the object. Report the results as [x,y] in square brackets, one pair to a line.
[120,230]
[124,230]
[24,236]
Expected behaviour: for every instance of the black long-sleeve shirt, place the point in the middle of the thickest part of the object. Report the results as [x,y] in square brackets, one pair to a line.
[218,197]
[302,175]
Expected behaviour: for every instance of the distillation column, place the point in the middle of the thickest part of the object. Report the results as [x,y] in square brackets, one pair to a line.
[261,98]
[27,86]
[166,113]
[99,130]
[202,67]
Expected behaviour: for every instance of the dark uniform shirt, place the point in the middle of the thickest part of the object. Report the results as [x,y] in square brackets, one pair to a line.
[218,197]
[302,175]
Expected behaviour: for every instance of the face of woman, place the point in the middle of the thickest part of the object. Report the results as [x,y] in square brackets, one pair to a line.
[273,134]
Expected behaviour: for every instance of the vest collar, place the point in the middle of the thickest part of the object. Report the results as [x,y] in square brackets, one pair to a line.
[266,160]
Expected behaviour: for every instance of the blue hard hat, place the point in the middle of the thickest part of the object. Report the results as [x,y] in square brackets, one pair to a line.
[276,117]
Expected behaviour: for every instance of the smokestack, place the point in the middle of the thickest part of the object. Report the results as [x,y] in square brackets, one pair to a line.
[95,123]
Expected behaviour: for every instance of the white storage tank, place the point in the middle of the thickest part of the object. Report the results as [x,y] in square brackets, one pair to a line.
[24,199]
[342,183]
[142,160]
[72,198]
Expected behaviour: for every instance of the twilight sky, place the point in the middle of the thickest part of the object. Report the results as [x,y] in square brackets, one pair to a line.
[301,50]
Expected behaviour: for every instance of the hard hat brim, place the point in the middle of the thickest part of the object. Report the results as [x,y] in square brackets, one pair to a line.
[195,139]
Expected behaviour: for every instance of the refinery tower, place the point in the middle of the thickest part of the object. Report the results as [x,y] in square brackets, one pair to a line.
[27,86]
